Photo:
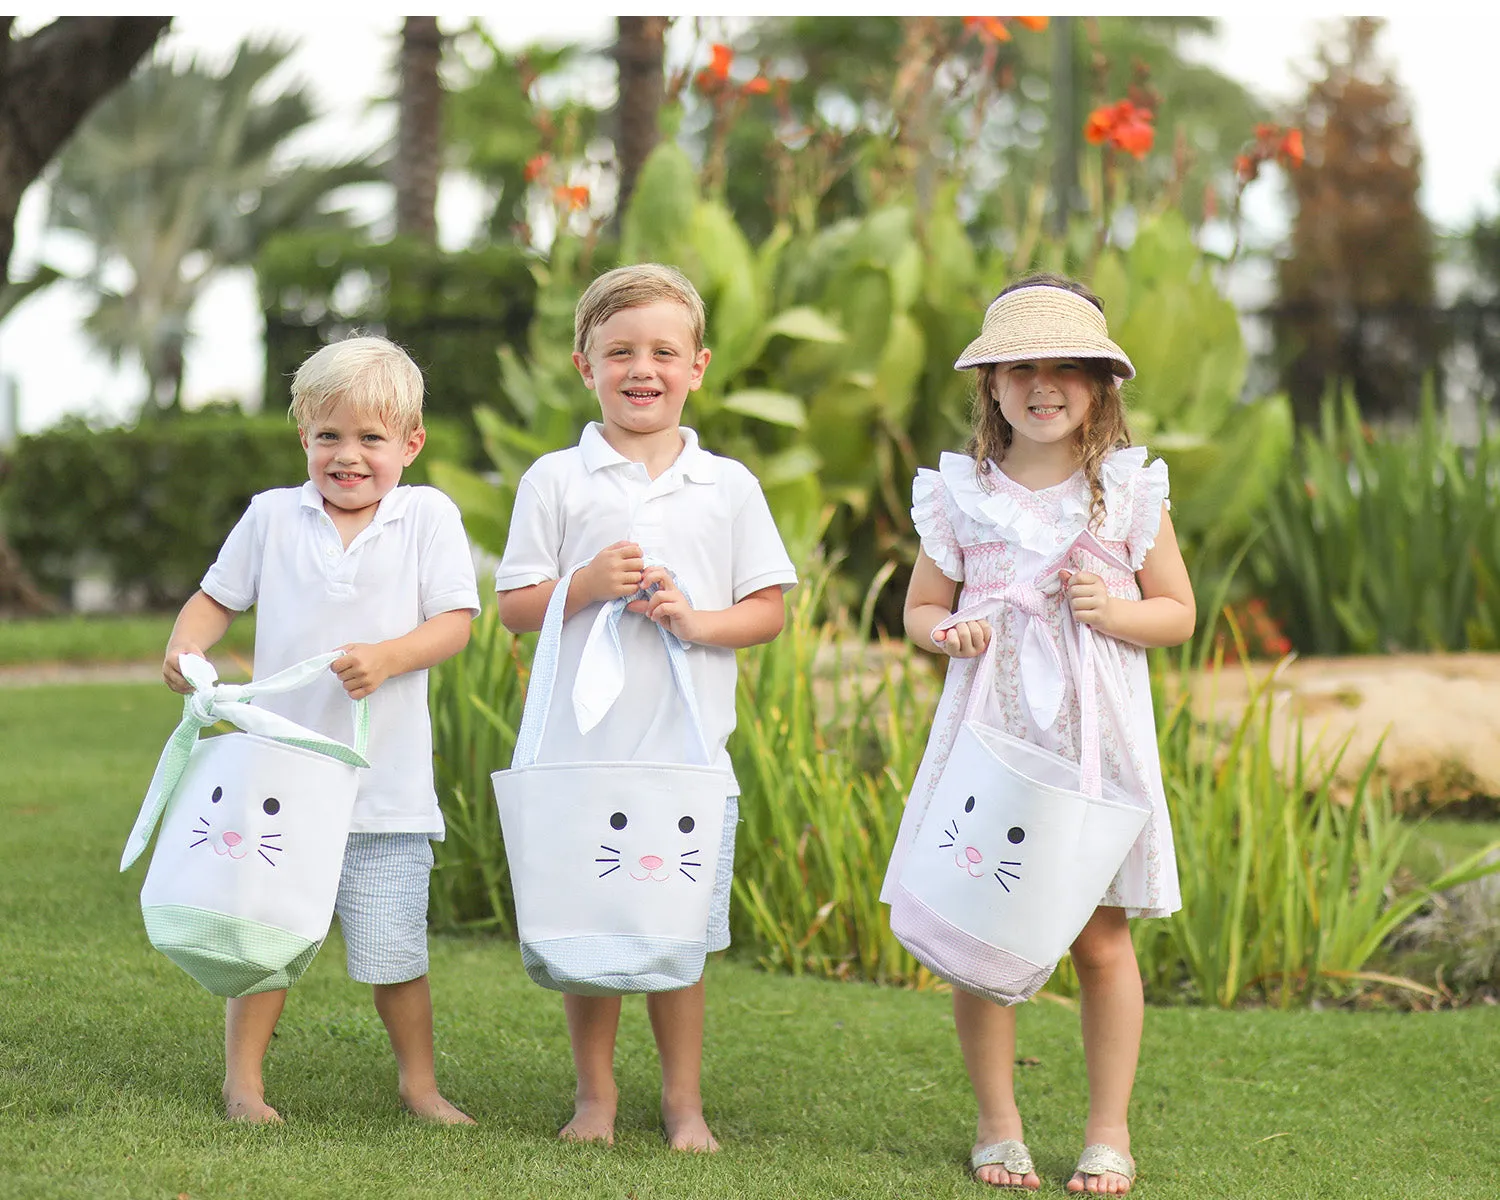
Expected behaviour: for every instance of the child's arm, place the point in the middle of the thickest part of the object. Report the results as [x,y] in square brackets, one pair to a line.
[929,602]
[615,571]
[201,623]
[756,618]
[366,665]
[1166,612]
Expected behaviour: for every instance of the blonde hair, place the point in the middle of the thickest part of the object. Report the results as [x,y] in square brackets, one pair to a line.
[635,287]
[1104,427]
[371,374]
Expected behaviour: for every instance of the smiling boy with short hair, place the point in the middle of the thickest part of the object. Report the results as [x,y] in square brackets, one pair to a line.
[352,559]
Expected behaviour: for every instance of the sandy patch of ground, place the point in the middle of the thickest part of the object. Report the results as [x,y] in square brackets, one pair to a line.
[1439,714]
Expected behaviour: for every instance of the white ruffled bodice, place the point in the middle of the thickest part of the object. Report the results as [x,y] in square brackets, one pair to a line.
[955,506]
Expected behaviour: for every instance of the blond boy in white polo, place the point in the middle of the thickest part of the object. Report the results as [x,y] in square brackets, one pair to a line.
[637,485]
[352,559]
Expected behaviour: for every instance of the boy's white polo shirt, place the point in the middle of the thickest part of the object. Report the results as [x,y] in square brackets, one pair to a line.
[706,517]
[311,595]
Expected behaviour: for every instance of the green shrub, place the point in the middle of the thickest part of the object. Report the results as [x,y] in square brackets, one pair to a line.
[450,310]
[475,699]
[152,503]
[1376,543]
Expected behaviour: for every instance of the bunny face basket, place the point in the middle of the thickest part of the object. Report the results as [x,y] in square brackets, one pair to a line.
[613,863]
[1018,845]
[242,883]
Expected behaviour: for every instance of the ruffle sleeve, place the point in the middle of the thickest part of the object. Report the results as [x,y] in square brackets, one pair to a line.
[934,522]
[1148,493]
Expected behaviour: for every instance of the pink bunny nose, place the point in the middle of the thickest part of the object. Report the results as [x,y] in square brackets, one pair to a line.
[232,839]
[650,862]
[972,854]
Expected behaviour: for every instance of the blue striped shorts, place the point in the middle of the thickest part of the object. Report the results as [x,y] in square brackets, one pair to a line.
[382,906]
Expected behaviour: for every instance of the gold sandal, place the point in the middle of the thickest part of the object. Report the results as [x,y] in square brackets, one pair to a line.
[1100,1159]
[1010,1154]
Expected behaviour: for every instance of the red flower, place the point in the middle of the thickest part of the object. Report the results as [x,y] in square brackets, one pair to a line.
[1124,124]
[1035,24]
[722,57]
[1134,137]
[535,167]
[1246,168]
[1291,150]
[990,27]
[1097,128]
[574,197]
[758,86]
[1266,134]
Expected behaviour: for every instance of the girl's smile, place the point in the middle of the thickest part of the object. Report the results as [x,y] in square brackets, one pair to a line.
[1045,400]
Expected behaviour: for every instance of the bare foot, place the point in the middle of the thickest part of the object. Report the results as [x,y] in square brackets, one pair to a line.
[250,1108]
[995,1174]
[593,1121]
[687,1130]
[1105,1182]
[434,1108]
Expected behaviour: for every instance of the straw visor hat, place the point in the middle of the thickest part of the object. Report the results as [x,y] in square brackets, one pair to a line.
[1043,322]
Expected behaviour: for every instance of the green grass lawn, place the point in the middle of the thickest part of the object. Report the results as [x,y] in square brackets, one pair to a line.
[77,638]
[111,1058]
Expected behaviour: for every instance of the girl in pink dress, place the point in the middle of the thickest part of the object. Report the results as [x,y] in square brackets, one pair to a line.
[1050,455]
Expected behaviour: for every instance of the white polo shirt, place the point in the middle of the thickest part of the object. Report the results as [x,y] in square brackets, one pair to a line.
[707,519]
[411,563]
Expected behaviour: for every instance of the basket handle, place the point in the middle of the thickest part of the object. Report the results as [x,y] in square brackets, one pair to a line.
[210,702]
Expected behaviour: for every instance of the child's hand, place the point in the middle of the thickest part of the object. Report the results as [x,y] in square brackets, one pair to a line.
[615,571]
[967,639]
[667,605]
[1088,598]
[362,669]
[170,671]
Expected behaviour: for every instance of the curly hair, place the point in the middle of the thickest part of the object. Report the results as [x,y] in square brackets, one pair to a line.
[1103,429]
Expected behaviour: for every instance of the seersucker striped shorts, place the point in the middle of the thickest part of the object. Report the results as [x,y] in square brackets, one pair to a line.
[382,906]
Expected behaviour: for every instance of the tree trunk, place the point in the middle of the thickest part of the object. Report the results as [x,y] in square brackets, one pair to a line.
[640,54]
[419,141]
[48,83]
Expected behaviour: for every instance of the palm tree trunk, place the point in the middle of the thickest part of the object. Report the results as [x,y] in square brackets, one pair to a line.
[419,140]
[640,53]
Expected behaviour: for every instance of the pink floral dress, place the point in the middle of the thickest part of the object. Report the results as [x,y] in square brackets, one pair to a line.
[994,536]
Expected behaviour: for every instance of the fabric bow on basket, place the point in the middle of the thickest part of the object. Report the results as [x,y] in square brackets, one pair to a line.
[601,668]
[211,702]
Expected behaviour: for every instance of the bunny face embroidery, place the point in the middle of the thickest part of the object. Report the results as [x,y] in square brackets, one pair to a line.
[249,828]
[651,852]
[979,850]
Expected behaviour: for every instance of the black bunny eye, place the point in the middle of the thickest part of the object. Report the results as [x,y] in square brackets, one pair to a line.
[218,795]
[272,806]
[1016,835]
[617,821]
[969,804]
[686,824]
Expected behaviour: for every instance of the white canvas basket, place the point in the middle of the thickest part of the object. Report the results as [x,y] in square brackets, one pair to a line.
[1018,845]
[612,863]
[242,883]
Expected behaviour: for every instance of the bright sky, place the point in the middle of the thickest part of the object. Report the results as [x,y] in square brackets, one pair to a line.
[1438,58]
